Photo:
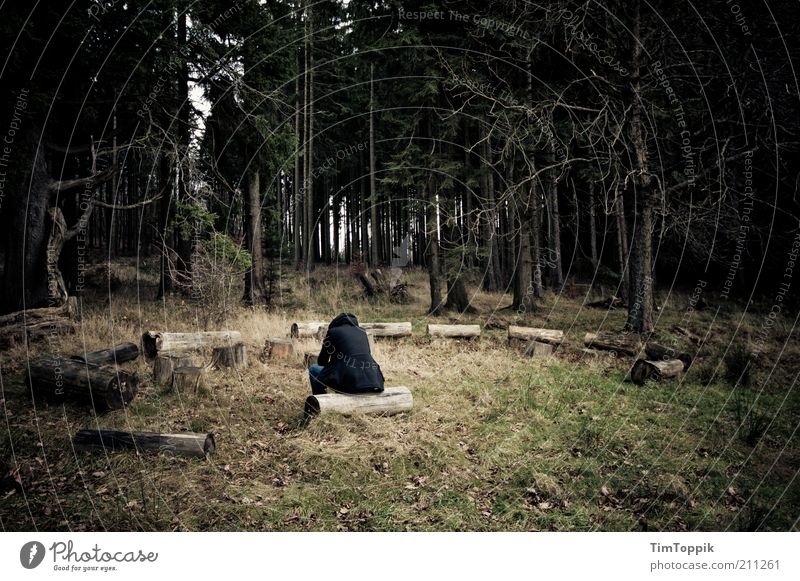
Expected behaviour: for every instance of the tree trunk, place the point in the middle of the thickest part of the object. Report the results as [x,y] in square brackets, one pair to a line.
[640,293]
[392,400]
[298,186]
[254,293]
[457,296]
[434,274]
[185,444]
[165,210]
[524,289]
[554,216]
[310,222]
[375,242]
[592,228]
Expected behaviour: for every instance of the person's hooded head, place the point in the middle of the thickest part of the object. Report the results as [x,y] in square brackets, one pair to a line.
[344,319]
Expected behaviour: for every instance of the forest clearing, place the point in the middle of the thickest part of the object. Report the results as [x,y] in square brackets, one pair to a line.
[496,440]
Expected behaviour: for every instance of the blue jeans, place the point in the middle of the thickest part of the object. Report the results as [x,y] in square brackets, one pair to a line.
[317,387]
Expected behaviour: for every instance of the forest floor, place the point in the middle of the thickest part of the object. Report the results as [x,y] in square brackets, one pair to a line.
[496,441]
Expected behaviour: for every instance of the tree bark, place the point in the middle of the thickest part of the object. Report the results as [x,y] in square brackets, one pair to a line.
[233,357]
[640,294]
[188,379]
[277,349]
[165,364]
[254,293]
[375,242]
[552,336]
[310,222]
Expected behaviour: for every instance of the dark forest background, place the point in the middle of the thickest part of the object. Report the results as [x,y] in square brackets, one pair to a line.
[638,145]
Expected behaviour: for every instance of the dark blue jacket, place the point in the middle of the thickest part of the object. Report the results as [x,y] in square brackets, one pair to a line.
[346,358]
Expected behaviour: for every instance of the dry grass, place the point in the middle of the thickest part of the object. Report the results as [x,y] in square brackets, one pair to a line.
[495,442]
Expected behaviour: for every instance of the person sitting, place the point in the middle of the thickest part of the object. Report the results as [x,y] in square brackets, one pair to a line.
[345,363]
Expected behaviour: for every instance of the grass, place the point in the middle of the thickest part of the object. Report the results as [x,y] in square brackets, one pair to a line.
[495,441]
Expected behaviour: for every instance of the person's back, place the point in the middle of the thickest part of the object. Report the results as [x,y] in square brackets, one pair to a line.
[345,361]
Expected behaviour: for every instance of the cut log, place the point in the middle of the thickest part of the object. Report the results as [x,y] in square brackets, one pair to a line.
[277,349]
[188,379]
[306,329]
[629,344]
[184,444]
[552,336]
[392,400]
[656,352]
[455,331]
[537,350]
[310,358]
[153,342]
[644,369]
[234,357]
[121,353]
[388,329]
[166,363]
[104,387]
[321,332]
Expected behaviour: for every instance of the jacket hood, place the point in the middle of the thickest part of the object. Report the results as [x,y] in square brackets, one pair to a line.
[344,319]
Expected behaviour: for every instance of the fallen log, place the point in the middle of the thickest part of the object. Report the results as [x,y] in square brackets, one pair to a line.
[184,444]
[454,331]
[629,344]
[154,342]
[392,400]
[656,352]
[233,357]
[104,387]
[165,364]
[552,336]
[35,331]
[121,353]
[188,379]
[306,330]
[538,350]
[277,349]
[388,329]
[644,369]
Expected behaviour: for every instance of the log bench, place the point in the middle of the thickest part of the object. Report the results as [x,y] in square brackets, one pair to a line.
[394,330]
[392,400]
[454,331]
[155,342]
[182,444]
